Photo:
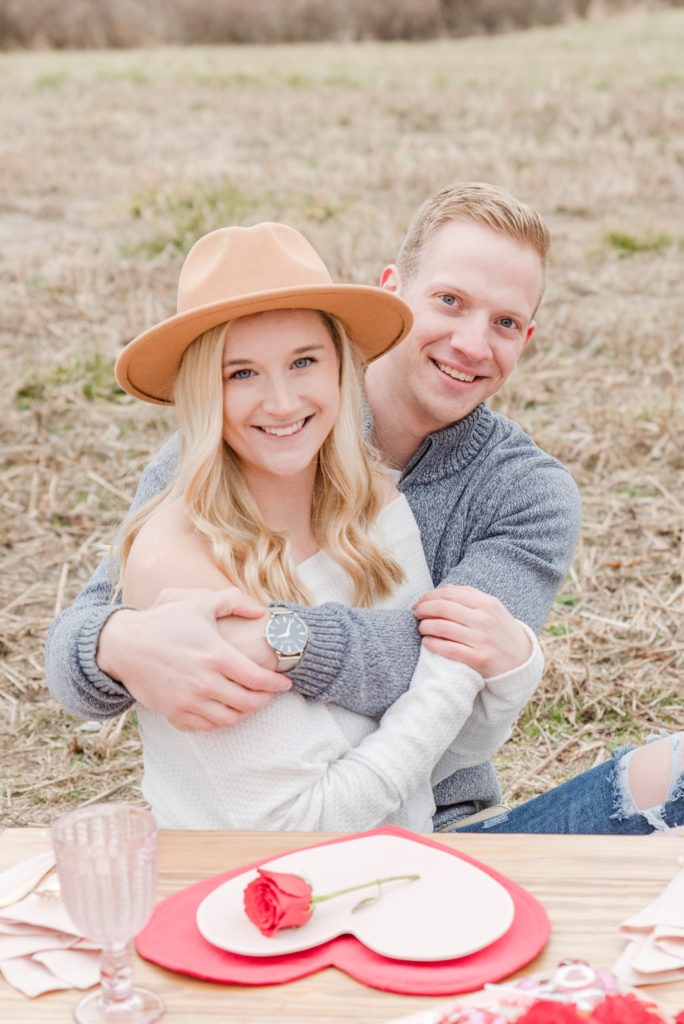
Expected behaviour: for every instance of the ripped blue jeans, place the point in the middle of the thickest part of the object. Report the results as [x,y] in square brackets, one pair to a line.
[597,802]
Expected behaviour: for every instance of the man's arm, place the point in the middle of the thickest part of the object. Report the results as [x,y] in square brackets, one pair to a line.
[363,659]
[72,673]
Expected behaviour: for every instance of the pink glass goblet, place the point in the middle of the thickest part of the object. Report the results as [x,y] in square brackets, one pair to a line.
[107,865]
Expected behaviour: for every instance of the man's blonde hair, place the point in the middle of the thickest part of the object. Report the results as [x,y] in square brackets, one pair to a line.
[349,489]
[475,201]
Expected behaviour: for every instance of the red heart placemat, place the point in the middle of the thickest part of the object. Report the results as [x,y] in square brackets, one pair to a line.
[172,940]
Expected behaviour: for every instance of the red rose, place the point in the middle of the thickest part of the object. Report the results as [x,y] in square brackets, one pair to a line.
[546,1012]
[276,900]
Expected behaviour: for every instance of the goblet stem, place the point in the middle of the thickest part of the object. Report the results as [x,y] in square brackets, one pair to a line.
[116,976]
[117,1000]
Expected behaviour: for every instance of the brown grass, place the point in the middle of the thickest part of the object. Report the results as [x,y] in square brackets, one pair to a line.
[114,162]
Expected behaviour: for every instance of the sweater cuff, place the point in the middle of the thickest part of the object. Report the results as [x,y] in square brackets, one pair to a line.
[88,639]
[325,653]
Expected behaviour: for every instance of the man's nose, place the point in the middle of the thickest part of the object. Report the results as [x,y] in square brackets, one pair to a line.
[471,337]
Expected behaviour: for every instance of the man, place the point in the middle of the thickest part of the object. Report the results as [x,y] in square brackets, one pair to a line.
[499,518]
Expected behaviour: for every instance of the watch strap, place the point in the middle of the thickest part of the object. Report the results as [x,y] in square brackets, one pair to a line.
[286,662]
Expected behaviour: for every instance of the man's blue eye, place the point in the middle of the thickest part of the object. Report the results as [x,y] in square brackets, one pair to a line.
[506,321]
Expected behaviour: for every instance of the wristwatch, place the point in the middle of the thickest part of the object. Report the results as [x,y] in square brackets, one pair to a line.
[288,635]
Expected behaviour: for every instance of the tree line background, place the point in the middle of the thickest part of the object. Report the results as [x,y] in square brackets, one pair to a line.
[88,24]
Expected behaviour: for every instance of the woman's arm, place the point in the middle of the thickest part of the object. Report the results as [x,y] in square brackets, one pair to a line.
[447,703]
[167,552]
[169,557]
[495,710]
[465,625]
[384,778]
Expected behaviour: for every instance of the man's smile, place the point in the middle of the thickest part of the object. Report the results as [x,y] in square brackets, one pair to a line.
[467,378]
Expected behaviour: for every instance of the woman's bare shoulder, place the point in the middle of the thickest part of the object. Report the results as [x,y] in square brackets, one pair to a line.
[170,518]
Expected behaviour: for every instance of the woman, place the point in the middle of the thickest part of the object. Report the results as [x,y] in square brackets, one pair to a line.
[277,493]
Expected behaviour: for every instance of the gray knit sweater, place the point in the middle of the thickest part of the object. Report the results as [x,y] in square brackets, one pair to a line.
[494,511]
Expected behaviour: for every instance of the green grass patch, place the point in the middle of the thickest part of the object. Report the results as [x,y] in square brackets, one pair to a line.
[178,216]
[135,75]
[556,629]
[51,81]
[93,377]
[568,600]
[634,491]
[628,245]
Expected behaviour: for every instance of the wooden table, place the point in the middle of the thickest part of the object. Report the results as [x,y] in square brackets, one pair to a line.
[588,885]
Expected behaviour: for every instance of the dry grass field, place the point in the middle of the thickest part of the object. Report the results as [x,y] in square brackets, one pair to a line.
[114,162]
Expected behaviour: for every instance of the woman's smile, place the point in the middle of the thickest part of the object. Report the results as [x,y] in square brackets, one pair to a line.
[285,430]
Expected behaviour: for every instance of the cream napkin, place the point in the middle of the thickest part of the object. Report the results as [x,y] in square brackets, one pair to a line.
[655,951]
[41,950]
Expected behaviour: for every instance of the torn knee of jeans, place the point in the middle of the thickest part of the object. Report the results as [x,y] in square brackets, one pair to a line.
[624,806]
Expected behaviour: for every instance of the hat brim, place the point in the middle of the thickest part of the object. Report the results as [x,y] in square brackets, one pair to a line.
[375,320]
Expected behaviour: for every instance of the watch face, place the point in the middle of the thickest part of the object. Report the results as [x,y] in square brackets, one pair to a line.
[287,634]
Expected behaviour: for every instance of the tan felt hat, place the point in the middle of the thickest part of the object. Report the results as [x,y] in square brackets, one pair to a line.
[238,271]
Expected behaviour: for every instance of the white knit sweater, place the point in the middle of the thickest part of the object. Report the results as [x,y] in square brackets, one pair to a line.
[300,765]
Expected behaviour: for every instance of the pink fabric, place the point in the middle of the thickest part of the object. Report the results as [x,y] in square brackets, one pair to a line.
[172,940]
[655,952]
[40,947]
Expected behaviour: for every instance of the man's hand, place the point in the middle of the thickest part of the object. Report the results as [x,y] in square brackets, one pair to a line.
[173,658]
[466,625]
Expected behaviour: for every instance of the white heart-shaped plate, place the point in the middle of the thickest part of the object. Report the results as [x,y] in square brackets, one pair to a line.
[452,910]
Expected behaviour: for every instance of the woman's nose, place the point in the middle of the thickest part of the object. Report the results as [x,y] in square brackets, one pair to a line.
[280,397]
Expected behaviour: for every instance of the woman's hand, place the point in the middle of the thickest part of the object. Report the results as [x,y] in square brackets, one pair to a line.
[466,625]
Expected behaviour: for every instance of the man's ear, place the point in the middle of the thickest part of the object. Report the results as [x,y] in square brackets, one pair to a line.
[389,279]
[530,331]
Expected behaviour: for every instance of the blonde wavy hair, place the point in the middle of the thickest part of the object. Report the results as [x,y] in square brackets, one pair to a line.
[349,488]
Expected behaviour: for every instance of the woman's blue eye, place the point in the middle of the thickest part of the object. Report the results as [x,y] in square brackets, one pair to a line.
[241,374]
[300,364]
[448,300]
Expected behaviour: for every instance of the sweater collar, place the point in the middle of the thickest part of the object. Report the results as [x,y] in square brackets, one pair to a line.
[451,448]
